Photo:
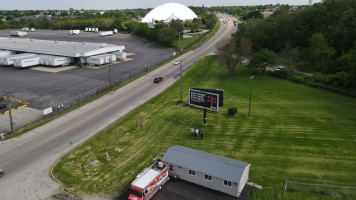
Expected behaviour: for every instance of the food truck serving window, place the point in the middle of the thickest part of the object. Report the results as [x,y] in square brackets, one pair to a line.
[136,193]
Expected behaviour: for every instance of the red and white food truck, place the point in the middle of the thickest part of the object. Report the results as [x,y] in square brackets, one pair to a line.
[149,181]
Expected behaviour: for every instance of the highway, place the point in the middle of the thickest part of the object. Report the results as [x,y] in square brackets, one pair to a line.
[27,160]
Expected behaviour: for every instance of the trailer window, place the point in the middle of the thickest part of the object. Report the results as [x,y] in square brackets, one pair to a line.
[192,172]
[136,193]
[171,168]
[227,183]
[207,177]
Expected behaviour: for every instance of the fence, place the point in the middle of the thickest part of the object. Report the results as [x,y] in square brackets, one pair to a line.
[325,189]
[61,102]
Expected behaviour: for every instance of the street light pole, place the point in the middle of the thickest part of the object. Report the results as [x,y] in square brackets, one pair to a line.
[179,42]
[249,107]
[110,74]
[146,57]
[181,92]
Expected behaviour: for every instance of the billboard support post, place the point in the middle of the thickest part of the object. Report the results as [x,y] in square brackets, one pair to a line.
[204,122]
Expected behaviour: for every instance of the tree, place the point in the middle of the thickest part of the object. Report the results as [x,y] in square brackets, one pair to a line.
[319,52]
[233,51]
[263,59]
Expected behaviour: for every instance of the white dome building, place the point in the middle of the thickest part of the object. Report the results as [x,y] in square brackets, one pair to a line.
[169,11]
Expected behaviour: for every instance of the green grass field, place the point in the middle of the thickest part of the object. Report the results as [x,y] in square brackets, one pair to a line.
[295,132]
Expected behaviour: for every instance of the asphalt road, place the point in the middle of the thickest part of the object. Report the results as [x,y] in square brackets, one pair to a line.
[45,89]
[27,160]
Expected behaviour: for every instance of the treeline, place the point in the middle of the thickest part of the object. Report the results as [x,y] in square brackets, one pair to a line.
[320,39]
[247,12]
[164,34]
[71,19]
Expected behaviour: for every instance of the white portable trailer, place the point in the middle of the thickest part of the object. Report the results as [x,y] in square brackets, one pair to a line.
[120,55]
[6,53]
[86,29]
[96,30]
[109,57]
[55,60]
[9,60]
[27,61]
[95,60]
[74,32]
[18,33]
[105,33]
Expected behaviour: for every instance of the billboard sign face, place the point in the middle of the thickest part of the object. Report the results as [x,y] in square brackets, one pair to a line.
[204,99]
[220,92]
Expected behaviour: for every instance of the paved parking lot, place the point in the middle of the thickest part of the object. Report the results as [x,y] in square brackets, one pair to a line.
[42,89]
[183,190]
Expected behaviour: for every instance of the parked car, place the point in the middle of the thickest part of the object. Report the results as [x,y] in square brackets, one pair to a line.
[177,62]
[158,79]
[2,106]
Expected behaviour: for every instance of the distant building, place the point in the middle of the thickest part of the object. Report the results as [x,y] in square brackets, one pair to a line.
[212,171]
[168,12]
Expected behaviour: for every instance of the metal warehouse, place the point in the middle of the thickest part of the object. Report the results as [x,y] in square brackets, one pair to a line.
[208,170]
[77,50]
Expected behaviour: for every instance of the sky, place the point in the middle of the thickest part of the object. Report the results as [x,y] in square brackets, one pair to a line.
[129,4]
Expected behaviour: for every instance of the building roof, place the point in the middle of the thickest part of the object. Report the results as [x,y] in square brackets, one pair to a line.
[210,164]
[59,48]
[169,11]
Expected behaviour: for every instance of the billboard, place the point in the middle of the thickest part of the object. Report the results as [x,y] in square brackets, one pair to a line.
[204,99]
[220,92]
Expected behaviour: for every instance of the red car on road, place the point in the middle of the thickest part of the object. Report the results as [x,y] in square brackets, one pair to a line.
[158,79]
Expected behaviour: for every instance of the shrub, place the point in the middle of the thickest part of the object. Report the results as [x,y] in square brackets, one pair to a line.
[232,111]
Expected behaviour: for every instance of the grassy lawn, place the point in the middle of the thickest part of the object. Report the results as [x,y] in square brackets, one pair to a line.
[185,42]
[295,132]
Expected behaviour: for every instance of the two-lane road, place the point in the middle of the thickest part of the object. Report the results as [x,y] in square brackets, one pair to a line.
[27,160]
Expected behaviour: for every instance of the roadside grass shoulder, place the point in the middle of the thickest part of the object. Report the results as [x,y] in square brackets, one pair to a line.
[295,132]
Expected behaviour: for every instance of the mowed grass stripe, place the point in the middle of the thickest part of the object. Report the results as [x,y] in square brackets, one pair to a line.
[295,132]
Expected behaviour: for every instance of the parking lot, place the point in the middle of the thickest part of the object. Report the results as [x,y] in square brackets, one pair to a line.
[43,89]
[183,190]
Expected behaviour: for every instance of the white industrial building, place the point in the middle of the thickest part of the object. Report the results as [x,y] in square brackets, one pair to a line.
[53,52]
[212,171]
[168,12]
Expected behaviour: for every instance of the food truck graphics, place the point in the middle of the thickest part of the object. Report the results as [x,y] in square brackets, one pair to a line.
[149,181]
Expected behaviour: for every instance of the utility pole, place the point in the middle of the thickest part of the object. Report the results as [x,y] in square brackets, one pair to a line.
[249,106]
[180,71]
[8,96]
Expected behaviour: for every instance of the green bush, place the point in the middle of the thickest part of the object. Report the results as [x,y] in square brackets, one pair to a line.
[232,111]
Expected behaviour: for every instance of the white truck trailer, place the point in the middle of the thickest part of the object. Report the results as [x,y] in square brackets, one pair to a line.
[27,61]
[95,60]
[18,33]
[6,53]
[74,32]
[55,61]
[109,58]
[120,55]
[105,33]
[9,60]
